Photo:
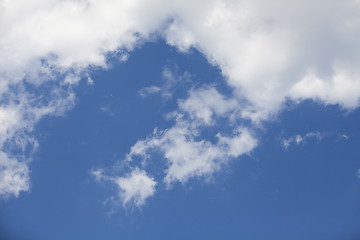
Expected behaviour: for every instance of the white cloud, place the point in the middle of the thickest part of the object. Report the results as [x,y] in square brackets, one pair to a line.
[298,139]
[90,81]
[171,79]
[241,142]
[203,103]
[14,176]
[134,188]
[187,154]
[187,157]
[19,112]
[342,88]
[147,91]
[344,136]
[265,52]
[98,174]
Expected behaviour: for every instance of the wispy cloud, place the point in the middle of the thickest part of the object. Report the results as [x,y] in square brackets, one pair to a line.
[171,80]
[301,139]
[19,112]
[344,136]
[147,91]
[90,81]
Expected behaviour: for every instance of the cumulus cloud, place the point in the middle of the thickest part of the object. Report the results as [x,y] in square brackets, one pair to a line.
[262,50]
[202,104]
[270,55]
[267,55]
[187,157]
[341,88]
[134,188]
[186,152]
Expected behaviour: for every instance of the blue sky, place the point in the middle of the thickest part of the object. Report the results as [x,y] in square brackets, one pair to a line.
[134,120]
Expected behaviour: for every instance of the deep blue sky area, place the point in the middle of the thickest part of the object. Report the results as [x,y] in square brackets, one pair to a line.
[307,191]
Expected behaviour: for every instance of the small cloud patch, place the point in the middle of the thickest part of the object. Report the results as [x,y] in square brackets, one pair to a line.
[301,139]
[134,188]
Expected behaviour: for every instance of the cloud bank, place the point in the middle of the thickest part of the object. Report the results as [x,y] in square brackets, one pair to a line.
[268,52]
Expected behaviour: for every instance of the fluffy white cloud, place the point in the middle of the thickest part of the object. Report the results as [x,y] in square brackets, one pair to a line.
[134,188]
[262,49]
[342,88]
[187,154]
[267,54]
[203,103]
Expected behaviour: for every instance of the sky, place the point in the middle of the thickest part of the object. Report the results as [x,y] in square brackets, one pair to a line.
[217,119]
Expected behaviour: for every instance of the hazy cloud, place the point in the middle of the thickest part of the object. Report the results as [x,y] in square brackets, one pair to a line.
[171,79]
[298,139]
[147,91]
